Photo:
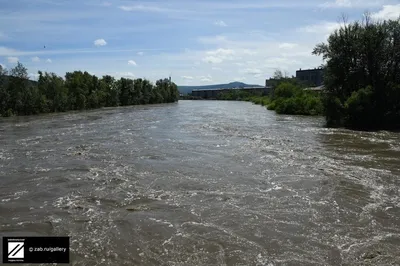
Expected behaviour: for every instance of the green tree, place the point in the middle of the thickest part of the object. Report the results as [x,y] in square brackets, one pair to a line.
[4,93]
[363,73]
[18,88]
[80,90]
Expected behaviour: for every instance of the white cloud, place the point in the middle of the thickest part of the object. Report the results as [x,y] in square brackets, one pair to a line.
[251,62]
[353,4]
[284,62]
[213,39]
[287,45]
[132,63]
[49,60]
[100,42]
[253,71]
[187,77]
[212,59]
[207,78]
[33,76]
[12,59]
[204,7]
[35,59]
[322,28]
[239,79]
[216,68]
[125,74]
[106,4]
[249,52]
[337,3]
[145,8]
[4,51]
[221,52]
[219,55]
[388,12]
[140,53]
[220,23]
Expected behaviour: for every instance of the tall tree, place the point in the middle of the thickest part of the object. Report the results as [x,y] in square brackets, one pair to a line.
[362,74]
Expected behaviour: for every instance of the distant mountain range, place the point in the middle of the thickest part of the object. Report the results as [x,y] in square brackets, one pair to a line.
[188,89]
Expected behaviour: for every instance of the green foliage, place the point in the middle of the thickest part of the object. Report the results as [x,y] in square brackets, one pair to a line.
[79,90]
[362,74]
[290,98]
[262,100]
[285,90]
[357,107]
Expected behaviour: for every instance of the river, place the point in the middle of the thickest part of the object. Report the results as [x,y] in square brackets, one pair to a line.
[201,183]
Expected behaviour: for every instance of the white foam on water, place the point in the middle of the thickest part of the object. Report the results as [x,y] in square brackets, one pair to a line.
[43,170]
[276,187]
[263,261]
[5,155]
[167,241]
[162,222]
[375,239]
[380,170]
[20,193]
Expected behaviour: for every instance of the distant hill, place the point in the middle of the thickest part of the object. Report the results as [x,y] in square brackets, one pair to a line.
[188,89]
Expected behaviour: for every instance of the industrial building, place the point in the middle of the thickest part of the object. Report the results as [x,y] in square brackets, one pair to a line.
[314,77]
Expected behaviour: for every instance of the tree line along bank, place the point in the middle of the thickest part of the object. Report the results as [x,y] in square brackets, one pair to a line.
[77,91]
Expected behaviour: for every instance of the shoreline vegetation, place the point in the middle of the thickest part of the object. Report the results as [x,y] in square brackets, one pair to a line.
[77,91]
[289,97]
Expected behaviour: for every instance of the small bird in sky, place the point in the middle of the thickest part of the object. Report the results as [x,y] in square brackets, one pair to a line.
[44,46]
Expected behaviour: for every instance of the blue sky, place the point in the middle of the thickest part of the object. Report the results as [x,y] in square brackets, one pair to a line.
[197,42]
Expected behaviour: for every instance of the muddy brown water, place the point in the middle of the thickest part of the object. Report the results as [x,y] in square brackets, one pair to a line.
[201,183]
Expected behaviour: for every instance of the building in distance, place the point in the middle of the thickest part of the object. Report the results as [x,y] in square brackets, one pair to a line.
[313,77]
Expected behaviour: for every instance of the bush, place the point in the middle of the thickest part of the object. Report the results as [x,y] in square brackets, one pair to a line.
[285,90]
[358,108]
[9,113]
[313,105]
[333,110]
[290,98]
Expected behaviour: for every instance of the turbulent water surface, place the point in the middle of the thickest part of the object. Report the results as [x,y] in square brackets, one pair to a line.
[202,183]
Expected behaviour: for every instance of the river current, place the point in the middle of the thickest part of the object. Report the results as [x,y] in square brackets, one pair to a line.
[201,183]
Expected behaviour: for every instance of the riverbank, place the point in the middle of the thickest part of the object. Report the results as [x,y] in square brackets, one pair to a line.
[289,98]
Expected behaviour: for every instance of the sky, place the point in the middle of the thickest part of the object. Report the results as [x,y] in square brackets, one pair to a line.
[196,42]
